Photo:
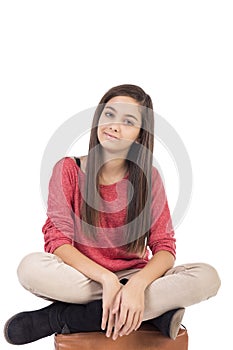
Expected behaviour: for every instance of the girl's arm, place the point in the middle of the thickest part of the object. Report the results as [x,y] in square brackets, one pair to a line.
[155,268]
[74,258]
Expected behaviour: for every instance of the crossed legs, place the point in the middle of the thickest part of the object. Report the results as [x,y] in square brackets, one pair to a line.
[47,276]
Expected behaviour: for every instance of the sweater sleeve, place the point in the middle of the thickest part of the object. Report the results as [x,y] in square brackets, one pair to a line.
[59,226]
[161,231]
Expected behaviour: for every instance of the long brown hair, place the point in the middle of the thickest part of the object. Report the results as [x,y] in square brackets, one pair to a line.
[139,161]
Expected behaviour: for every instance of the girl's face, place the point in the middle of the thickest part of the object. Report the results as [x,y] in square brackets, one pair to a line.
[119,124]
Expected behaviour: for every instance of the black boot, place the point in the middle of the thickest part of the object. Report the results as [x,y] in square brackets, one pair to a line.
[169,322]
[30,326]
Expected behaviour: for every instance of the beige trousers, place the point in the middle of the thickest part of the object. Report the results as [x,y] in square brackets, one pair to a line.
[47,276]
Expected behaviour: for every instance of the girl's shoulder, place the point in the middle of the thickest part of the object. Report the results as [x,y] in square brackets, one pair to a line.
[67,169]
[156,178]
[81,162]
[70,163]
[155,172]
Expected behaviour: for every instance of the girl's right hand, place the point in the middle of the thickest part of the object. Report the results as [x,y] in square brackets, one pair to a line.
[111,287]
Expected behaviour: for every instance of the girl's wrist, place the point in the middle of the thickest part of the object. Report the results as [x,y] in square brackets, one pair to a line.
[137,281]
[107,277]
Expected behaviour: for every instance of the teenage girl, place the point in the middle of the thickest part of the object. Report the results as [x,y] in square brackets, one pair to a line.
[109,243]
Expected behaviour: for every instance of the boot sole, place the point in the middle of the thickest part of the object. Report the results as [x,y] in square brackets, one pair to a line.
[175,323]
[6,327]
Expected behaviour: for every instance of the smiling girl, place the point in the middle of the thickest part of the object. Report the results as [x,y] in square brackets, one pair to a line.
[109,243]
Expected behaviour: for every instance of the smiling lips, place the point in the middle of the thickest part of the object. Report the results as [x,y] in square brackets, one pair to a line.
[110,137]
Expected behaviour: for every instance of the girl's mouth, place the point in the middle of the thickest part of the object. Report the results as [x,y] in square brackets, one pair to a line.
[110,137]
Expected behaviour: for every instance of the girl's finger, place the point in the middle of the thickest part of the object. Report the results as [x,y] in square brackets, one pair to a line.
[104,318]
[120,320]
[140,318]
[133,325]
[128,323]
[116,304]
[111,321]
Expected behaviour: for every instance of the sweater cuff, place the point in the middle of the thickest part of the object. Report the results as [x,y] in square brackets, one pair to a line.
[50,247]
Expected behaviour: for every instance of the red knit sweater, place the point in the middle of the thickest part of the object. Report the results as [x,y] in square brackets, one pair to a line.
[63,227]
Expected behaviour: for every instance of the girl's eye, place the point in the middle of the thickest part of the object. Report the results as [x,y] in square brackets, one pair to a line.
[128,122]
[109,114]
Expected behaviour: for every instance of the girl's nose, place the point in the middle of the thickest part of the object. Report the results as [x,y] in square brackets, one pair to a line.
[114,127]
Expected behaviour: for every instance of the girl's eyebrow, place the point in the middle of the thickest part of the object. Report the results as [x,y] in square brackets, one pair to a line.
[128,115]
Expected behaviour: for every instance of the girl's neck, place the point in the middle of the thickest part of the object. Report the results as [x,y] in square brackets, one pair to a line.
[113,171]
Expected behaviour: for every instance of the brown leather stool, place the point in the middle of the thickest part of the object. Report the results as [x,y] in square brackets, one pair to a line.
[145,338]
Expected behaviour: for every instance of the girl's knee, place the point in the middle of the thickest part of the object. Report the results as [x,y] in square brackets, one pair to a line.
[29,267]
[210,277]
[204,277]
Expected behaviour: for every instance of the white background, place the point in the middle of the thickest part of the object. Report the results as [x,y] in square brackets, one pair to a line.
[60,57]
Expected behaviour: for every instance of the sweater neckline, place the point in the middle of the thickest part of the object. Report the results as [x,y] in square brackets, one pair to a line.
[110,185]
[115,183]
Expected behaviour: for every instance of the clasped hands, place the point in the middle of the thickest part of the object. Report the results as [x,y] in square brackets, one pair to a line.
[123,307]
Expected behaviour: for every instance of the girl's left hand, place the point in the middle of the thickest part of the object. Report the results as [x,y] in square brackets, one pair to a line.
[128,308]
